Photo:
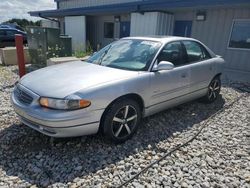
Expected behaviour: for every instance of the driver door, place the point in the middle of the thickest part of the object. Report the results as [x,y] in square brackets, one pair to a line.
[168,86]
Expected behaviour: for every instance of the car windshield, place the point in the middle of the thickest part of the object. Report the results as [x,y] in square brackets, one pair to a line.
[127,54]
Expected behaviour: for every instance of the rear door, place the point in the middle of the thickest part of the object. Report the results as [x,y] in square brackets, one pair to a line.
[199,64]
[2,38]
[10,37]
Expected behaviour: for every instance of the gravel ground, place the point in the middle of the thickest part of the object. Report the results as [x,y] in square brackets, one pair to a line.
[219,157]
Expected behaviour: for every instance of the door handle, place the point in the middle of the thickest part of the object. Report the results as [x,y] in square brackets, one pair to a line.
[183,75]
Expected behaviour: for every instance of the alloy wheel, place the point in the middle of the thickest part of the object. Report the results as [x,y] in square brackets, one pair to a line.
[214,90]
[124,121]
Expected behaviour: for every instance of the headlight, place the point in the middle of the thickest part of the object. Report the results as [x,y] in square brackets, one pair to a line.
[64,104]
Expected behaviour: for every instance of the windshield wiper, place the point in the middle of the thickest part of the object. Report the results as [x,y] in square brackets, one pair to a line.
[103,55]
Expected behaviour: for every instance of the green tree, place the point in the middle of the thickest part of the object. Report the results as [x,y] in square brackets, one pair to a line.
[23,23]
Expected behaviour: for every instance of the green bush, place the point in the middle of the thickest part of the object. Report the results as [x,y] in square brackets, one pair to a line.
[79,53]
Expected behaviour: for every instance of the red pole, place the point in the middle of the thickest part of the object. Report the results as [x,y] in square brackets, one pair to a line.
[20,54]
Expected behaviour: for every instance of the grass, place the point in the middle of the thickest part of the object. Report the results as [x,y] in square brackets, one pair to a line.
[80,53]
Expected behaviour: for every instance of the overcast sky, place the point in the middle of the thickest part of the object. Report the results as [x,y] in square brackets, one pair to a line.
[19,8]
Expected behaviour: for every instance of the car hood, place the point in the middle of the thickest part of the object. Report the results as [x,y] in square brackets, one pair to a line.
[59,81]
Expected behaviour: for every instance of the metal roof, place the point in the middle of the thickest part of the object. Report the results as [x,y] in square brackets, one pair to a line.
[124,7]
[139,6]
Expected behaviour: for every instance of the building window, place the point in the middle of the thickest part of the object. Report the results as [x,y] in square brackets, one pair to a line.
[240,35]
[109,30]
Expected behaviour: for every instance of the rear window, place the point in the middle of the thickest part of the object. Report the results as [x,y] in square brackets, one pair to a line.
[195,52]
[11,32]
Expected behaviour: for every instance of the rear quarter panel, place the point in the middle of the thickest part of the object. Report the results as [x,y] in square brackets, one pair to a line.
[219,64]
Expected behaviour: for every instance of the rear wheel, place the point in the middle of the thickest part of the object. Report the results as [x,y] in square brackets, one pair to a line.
[121,120]
[213,90]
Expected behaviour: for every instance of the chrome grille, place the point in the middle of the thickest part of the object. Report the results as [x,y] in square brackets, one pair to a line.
[23,96]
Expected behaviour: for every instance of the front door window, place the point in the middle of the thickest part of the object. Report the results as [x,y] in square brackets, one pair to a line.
[173,53]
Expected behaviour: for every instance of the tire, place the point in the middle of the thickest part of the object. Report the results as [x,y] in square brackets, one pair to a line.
[213,91]
[121,120]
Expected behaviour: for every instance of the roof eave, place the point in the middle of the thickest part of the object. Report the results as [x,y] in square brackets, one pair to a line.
[138,6]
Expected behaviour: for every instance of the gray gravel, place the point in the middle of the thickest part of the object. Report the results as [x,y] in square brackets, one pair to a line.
[219,157]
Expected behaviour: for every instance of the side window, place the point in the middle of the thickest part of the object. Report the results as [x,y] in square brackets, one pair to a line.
[2,33]
[195,52]
[173,53]
[11,32]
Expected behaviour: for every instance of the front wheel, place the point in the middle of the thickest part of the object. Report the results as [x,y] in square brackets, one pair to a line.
[213,90]
[121,120]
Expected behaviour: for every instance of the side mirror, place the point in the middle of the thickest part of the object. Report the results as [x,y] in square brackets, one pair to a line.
[163,65]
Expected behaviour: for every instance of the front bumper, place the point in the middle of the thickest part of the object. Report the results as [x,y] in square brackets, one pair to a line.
[56,123]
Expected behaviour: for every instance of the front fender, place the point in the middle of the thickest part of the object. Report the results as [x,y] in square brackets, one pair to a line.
[102,95]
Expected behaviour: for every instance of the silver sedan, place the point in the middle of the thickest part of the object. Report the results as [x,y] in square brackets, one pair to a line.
[127,80]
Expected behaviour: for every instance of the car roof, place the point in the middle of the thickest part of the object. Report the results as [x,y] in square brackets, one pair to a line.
[5,26]
[160,38]
[12,29]
[166,39]
[8,28]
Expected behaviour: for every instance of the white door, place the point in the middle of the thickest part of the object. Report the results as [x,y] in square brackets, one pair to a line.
[75,26]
